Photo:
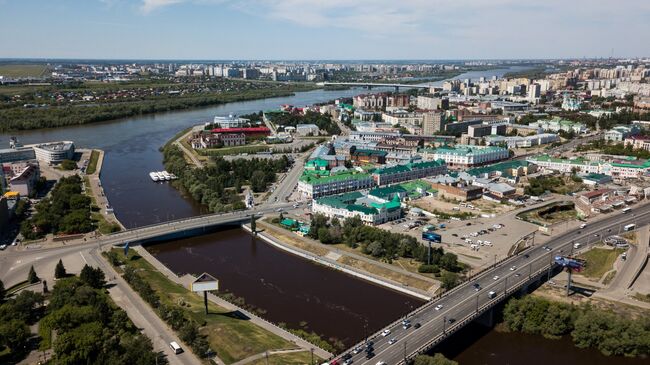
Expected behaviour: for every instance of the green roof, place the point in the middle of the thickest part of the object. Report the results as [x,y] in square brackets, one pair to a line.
[349,201]
[387,191]
[408,167]
[316,178]
[317,162]
[464,150]
[644,165]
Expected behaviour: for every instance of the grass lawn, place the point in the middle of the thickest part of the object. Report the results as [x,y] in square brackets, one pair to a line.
[549,214]
[230,336]
[292,358]
[599,261]
[92,165]
[22,70]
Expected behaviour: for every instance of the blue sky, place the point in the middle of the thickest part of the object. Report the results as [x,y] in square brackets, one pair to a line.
[323,29]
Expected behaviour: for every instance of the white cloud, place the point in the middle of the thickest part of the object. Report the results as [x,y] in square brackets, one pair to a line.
[151,5]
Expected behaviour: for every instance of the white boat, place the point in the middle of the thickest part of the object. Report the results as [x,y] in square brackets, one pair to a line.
[153,176]
[160,176]
[166,175]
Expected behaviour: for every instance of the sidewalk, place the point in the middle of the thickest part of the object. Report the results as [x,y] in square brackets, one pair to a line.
[142,315]
[229,306]
[97,191]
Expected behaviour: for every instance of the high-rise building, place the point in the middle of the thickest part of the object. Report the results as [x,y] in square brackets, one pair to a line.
[432,122]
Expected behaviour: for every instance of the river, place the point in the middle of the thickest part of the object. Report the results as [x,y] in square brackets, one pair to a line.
[288,288]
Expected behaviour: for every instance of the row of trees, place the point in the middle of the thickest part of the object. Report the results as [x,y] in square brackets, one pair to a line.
[187,328]
[19,118]
[323,121]
[89,327]
[589,327]
[614,149]
[66,210]
[16,315]
[384,245]
[218,185]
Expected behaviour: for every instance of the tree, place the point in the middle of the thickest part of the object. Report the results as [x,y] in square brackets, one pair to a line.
[68,165]
[32,277]
[2,291]
[437,359]
[449,280]
[59,270]
[13,334]
[91,276]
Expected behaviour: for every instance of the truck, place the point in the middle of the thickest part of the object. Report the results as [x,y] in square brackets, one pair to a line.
[629,227]
[492,294]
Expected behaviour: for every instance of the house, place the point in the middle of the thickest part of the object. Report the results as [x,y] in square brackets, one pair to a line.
[638,142]
[369,208]
[307,129]
[621,132]
[458,191]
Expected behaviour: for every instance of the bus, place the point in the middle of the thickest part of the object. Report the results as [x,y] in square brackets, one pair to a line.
[626,210]
[629,227]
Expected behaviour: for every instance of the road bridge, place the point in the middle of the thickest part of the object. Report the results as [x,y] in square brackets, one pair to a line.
[370,85]
[446,314]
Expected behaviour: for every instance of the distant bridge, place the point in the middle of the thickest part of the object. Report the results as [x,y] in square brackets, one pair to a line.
[370,85]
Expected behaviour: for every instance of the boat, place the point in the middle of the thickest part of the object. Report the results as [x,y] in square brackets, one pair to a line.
[166,175]
[153,176]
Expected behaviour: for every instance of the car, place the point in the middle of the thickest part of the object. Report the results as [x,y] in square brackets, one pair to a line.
[438,307]
[417,325]
[369,344]
[346,356]
[477,286]
[279,210]
[406,325]
[347,362]
[385,332]
[517,275]
[370,355]
[455,234]
[468,223]
[451,320]
[583,225]
[527,256]
[2,247]
[392,341]
[495,278]
[335,362]
[596,235]
[609,229]
[357,350]
[513,268]
[380,363]
[547,248]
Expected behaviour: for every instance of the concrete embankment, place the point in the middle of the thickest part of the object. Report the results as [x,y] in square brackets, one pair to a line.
[337,266]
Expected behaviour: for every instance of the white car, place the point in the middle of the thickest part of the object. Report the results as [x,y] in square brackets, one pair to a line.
[392,341]
[2,247]
[496,277]
[385,333]
[513,268]
[438,307]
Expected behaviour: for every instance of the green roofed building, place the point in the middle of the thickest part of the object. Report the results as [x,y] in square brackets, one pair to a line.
[409,171]
[313,184]
[615,168]
[369,208]
[466,155]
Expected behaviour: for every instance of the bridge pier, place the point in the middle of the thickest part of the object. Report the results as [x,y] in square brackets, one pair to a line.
[487,318]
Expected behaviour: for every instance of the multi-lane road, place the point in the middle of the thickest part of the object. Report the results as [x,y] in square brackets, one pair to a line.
[466,301]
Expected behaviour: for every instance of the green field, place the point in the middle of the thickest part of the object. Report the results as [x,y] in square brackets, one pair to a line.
[293,358]
[23,70]
[231,337]
[599,261]
[92,165]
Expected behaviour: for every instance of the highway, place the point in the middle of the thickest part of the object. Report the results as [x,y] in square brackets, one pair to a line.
[464,302]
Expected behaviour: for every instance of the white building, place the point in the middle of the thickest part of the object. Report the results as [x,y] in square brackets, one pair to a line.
[307,129]
[315,186]
[621,132]
[54,152]
[231,121]
[370,209]
[466,155]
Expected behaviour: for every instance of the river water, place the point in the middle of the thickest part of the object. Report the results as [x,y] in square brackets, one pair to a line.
[288,288]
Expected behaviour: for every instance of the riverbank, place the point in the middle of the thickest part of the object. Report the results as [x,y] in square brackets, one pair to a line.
[325,260]
[107,221]
[19,118]
[234,333]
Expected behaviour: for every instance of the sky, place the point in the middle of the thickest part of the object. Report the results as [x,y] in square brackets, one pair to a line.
[324,29]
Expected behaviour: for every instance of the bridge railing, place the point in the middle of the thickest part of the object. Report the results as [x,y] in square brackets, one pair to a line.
[470,317]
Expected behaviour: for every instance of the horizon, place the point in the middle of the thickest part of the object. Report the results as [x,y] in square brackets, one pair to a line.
[316,30]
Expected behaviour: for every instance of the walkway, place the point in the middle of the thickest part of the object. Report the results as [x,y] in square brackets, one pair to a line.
[97,191]
[261,355]
[229,306]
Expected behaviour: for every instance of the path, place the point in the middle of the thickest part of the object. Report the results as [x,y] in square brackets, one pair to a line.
[229,306]
[188,153]
[261,355]
[97,191]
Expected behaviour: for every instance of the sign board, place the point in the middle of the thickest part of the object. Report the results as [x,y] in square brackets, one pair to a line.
[205,282]
[431,237]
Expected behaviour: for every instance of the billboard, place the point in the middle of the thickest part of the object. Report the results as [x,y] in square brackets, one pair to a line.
[431,237]
[205,282]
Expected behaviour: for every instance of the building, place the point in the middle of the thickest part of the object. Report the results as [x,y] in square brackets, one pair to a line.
[314,185]
[403,118]
[357,136]
[366,156]
[17,154]
[465,155]
[482,130]
[621,132]
[624,169]
[509,170]
[458,128]
[558,124]
[370,101]
[24,181]
[248,132]
[426,102]
[409,171]
[216,140]
[231,121]
[638,142]
[307,129]
[54,152]
[369,208]
[458,192]
[522,141]
[398,101]
[570,103]
[432,122]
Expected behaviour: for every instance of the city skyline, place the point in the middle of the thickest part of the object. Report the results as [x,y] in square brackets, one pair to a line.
[313,30]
